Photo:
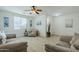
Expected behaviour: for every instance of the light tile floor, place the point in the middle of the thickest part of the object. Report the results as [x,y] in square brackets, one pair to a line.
[36,44]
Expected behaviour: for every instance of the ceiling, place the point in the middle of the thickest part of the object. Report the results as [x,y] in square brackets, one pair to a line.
[49,10]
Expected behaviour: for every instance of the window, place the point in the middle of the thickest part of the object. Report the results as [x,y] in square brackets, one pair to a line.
[16,23]
[20,22]
[23,22]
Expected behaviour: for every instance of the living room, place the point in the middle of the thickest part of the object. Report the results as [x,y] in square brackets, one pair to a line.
[52,23]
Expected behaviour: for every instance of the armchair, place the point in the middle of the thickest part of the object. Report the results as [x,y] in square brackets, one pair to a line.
[33,33]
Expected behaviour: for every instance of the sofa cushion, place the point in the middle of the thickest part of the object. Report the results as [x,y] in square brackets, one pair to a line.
[63,44]
[9,36]
[76,44]
[76,35]
[56,48]
[75,38]
[66,38]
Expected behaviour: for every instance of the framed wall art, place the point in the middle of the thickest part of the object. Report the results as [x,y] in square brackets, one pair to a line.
[6,22]
[30,23]
[68,23]
[39,23]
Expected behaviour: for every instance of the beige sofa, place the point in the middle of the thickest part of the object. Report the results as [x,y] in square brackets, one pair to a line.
[12,47]
[65,44]
[8,36]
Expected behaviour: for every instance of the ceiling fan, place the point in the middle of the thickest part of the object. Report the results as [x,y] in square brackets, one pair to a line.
[34,9]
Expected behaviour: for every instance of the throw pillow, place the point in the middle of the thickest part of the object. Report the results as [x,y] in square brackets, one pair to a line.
[63,44]
[66,38]
[76,35]
[76,44]
[75,38]
[3,37]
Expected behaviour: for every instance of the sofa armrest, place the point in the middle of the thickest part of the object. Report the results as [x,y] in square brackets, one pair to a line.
[56,48]
[14,47]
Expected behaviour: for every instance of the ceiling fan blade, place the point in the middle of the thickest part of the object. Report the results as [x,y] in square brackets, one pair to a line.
[33,8]
[39,10]
[36,12]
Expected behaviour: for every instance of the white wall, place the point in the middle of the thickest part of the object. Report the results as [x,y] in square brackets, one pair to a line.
[41,28]
[11,15]
[59,24]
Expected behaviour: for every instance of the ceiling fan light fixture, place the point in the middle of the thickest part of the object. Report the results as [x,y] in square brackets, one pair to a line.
[34,10]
